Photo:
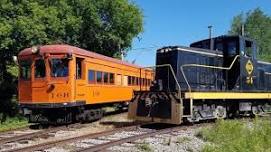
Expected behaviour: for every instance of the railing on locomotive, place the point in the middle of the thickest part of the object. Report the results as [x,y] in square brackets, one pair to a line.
[173,74]
[205,66]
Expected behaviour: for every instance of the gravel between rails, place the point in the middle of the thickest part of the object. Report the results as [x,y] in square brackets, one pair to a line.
[180,138]
[47,145]
[116,120]
[24,135]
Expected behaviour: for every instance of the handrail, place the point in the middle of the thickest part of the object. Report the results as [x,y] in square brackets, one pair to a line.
[205,66]
[172,71]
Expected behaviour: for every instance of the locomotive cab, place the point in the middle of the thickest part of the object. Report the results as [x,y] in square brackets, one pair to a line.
[241,76]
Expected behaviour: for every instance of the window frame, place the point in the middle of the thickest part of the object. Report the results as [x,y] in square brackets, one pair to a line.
[30,69]
[105,77]
[113,78]
[34,68]
[94,77]
[50,67]
[81,60]
[99,82]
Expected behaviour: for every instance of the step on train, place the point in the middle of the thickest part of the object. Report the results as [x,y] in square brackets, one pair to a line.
[212,79]
[60,84]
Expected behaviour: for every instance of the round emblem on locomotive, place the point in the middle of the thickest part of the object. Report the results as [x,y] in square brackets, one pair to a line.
[249,67]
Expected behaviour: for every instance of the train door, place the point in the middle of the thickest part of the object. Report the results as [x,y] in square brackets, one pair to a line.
[231,52]
[80,84]
[25,76]
[248,64]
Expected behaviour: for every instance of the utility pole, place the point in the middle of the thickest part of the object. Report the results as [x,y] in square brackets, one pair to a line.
[210,37]
[122,55]
[243,30]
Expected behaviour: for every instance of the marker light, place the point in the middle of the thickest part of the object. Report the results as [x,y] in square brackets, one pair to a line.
[15,59]
[35,49]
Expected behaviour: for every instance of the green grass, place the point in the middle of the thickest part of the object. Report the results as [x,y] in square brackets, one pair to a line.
[144,147]
[13,123]
[183,140]
[238,136]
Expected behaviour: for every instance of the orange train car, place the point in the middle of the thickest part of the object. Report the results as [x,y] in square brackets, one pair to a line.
[64,84]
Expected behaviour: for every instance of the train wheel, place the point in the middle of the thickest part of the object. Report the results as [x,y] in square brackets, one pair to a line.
[195,117]
[220,112]
[256,111]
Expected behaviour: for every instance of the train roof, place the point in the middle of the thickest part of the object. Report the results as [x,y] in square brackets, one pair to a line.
[224,37]
[64,48]
[190,49]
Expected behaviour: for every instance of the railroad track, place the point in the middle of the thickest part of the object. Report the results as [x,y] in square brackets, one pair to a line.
[25,134]
[106,139]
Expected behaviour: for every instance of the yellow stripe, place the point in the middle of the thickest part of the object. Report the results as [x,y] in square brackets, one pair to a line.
[226,95]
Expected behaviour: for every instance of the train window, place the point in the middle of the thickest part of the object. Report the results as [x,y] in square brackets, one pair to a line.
[118,80]
[129,80]
[91,76]
[133,80]
[219,46]
[99,76]
[111,78]
[248,48]
[79,68]
[59,67]
[106,75]
[25,69]
[232,48]
[40,68]
[137,81]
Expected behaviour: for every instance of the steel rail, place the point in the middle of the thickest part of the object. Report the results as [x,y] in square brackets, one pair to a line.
[50,144]
[33,134]
[101,147]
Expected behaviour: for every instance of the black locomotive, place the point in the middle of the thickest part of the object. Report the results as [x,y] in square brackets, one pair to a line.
[213,78]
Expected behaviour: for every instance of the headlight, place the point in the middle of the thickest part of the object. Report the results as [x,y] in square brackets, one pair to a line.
[35,49]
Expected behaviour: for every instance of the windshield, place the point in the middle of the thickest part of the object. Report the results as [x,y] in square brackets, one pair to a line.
[59,67]
[40,70]
[25,69]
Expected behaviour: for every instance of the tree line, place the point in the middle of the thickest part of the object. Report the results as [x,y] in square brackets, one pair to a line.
[257,25]
[103,26]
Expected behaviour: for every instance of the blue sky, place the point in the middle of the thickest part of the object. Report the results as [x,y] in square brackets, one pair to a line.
[181,22]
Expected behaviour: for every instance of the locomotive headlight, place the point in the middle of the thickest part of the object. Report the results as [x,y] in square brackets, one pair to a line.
[35,49]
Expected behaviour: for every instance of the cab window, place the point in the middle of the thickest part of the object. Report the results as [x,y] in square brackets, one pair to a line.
[232,48]
[40,70]
[59,67]
[248,48]
[25,69]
